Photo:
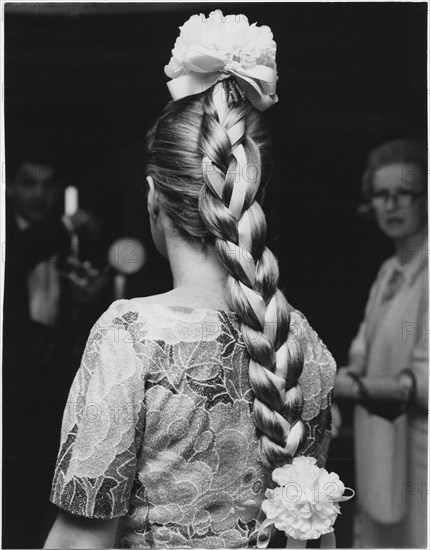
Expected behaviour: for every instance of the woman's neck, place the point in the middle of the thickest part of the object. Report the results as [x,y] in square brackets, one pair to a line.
[197,274]
[407,249]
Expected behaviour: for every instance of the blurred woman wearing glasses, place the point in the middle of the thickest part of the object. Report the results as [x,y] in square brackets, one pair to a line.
[387,375]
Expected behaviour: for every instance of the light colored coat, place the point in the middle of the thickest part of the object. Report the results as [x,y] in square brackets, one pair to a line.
[391,456]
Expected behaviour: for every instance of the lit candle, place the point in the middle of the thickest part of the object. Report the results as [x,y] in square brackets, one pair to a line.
[120,282]
[126,256]
[71,200]
[70,207]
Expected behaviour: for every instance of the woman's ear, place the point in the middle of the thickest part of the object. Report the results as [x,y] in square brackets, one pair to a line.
[153,206]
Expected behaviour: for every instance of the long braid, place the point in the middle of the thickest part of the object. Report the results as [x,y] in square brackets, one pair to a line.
[231,212]
[206,157]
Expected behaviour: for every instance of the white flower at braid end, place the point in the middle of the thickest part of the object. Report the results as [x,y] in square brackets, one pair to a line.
[305,505]
[211,49]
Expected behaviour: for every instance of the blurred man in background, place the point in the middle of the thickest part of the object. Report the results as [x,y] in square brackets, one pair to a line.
[41,350]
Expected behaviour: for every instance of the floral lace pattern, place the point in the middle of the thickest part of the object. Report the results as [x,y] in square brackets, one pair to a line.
[158,427]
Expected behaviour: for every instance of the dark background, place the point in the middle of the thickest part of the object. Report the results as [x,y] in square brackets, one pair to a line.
[88,79]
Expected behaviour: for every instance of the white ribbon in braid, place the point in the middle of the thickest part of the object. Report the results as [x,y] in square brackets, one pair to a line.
[267,316]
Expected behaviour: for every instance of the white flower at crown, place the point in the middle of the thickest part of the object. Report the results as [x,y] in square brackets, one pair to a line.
[306,503]
[211,49]
[230,35]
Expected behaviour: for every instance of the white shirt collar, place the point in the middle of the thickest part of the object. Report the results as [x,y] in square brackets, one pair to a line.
[410,269]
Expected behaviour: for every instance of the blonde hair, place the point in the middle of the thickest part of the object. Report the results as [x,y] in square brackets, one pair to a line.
[193,158]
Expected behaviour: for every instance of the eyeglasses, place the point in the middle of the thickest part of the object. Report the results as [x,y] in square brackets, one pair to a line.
[401,198]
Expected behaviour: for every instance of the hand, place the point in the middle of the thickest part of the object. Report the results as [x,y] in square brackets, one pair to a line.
[86,223]
[345,387]
[350,368]
[94,288]
[336,420]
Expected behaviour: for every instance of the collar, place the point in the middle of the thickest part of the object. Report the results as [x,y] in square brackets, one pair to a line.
[411,269]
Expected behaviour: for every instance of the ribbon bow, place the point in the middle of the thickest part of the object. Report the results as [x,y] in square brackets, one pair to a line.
[208,67]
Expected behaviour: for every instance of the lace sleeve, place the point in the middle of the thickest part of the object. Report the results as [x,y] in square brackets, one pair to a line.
[316,381]
[102,422]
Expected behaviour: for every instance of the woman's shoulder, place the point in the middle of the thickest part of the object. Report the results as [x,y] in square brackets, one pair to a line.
[155,318]
[307,337]
[319,366]
[385,268]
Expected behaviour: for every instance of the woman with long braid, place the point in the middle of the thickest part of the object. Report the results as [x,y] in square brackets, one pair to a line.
[186,401]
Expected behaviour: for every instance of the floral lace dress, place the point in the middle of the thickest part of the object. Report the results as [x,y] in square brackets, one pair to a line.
[158,426]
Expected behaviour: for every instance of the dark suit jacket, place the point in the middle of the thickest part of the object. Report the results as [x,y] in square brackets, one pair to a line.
[24,389]
[23,251]
[34,391]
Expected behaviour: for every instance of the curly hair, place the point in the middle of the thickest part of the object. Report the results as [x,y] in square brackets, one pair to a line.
[209,157]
